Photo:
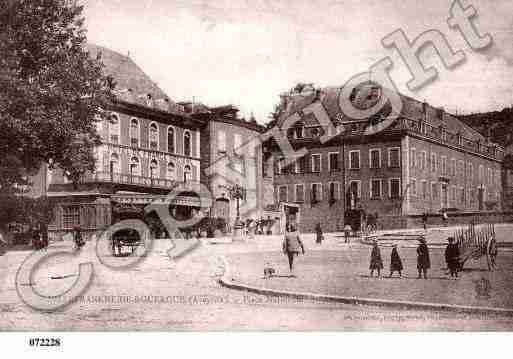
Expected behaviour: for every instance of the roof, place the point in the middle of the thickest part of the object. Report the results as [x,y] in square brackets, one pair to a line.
[126,73]
[367,95]
[226,114]
[133,85]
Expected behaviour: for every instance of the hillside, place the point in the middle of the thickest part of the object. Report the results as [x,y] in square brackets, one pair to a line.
[497,124]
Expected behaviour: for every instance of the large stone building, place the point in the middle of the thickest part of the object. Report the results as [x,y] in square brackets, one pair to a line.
[151,146]
[231,155]
[424,161]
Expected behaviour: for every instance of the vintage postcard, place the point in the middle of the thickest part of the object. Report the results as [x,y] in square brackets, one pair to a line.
[322,165]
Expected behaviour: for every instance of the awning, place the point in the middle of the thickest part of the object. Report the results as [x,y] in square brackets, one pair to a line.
[145,199]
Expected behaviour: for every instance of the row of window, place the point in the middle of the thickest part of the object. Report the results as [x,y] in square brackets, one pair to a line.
[453,167]
[376,190]
[300,131]
[452,193]
[393,158]
[300,165]
[153,136]
[114,166]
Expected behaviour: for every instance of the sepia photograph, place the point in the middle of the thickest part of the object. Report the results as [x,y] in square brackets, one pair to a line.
[250,166]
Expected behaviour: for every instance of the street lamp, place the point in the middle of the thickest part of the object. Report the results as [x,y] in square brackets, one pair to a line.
[237,192]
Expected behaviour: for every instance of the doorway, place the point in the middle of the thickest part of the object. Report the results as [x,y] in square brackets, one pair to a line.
[444,196]
[480,198]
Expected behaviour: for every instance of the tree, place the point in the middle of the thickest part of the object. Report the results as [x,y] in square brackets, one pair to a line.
[280,108]
[51,91]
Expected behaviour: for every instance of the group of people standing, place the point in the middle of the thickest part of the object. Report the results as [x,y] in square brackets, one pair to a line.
[293,246]
[452,258]
[376,262]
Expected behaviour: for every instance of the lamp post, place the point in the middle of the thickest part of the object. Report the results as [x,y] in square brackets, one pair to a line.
[237,193]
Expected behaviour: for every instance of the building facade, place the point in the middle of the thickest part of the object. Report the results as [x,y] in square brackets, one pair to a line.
[231,155]
[152,146]
[149,148]
[424,161]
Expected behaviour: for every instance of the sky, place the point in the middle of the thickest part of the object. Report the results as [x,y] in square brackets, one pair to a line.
[247,52]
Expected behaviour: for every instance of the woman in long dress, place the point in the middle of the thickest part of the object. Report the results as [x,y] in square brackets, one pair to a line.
[396,264]
[376,263]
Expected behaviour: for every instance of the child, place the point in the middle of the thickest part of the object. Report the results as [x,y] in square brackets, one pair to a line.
[376,263]
[395,262]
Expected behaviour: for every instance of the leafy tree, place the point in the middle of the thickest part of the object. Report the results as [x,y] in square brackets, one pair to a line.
[25,210]
[51,91]
[275,115]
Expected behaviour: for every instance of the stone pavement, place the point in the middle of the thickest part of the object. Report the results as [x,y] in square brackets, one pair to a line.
[345,273]
[161,294]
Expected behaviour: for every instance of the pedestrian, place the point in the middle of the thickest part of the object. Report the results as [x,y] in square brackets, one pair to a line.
[43,229]
[452,257]
[36,238]
[445,217]
[3,245]
[376,263]
[492,252]
[396,264]
[292,245]
[347,232]
[423,262]
[424,220]
[370,222]
[77,237]
[318,234]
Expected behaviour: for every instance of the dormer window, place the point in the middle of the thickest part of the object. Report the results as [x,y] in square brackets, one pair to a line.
[299,130]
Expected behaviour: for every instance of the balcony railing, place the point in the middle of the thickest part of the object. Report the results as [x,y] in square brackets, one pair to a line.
[121,178]
[450,138]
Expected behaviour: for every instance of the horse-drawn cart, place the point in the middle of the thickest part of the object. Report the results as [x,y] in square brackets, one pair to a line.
[125,242]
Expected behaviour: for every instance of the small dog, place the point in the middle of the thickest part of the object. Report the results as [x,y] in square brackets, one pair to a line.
[268,271]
